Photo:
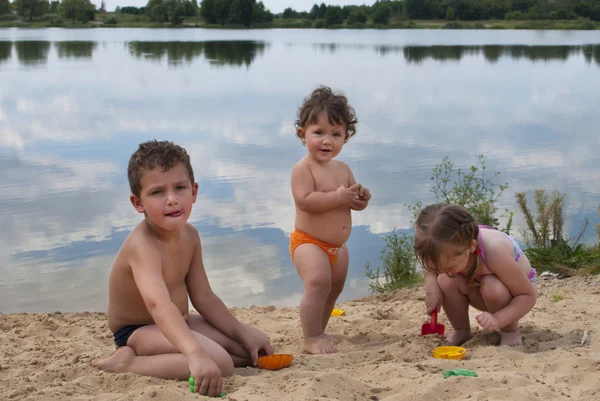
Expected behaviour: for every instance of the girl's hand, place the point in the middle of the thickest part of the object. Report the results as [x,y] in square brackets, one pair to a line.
[433,299]
[488,321]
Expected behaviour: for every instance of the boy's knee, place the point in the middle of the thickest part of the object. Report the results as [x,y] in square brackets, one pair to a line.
[224,362]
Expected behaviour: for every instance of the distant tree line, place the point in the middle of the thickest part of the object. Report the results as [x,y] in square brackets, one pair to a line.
[467,10]
[238,12]
[80,10]
[249,12]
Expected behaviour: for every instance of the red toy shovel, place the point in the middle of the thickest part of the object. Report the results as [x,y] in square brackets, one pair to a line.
[433,327]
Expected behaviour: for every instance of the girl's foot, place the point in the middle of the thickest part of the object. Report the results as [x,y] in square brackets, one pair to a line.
[510,338]
[458,337]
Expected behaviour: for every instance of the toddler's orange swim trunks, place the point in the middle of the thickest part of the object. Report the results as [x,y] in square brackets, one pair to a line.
[298,238]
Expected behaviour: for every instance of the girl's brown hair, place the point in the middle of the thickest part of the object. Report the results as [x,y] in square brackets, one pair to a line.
[440,225]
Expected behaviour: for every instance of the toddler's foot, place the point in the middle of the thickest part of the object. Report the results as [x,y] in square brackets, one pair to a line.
[510,338]
[458,337]
[319,344]
[118,362]
[331,338]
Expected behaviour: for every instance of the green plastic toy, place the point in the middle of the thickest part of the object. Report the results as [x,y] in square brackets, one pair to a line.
[459,372]
[192,382]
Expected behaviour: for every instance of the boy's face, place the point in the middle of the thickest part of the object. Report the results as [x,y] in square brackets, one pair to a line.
[323,140]
[166,197]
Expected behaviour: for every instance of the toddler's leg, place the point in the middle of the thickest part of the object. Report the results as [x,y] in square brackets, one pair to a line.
[149,353]
[496,296]
[339,271]
[457,297]
[313,267]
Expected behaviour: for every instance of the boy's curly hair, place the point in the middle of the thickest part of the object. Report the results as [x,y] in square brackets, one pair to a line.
[335,104]
[152,154]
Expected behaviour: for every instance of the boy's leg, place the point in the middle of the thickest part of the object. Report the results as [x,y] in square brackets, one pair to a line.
[496,296]
[238,353]
[339,271]
[312,265]
[457,296]
[149,353]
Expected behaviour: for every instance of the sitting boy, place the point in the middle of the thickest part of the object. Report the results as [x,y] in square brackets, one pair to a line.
[157,267]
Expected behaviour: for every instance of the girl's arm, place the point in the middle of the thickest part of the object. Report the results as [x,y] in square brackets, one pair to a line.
[433,294]
[501,262]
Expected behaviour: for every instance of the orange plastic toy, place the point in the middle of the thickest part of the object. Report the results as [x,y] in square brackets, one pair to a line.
[275,361]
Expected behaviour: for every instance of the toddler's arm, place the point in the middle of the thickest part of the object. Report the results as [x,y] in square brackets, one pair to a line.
[311,201]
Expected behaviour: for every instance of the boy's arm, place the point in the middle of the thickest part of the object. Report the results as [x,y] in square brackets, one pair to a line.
[311,201]
[147,273]
[214,311]
[206,302]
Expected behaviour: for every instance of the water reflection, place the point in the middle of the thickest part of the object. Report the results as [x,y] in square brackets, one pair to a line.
[32,52]
[76,50]
[492,53]
[243,53]
[5,51]
[220,53]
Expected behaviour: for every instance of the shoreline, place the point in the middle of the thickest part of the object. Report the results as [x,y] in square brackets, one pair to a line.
[55,21]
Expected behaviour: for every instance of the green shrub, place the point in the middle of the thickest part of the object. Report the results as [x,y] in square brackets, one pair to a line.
[399,264]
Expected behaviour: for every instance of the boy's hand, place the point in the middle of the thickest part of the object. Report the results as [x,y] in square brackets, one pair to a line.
[207,375]
[488,321]
[348,195]
[255,341]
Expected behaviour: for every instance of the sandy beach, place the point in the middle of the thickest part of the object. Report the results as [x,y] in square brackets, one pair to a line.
[382,355]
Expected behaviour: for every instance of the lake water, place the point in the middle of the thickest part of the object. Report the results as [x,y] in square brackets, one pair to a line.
[74,104]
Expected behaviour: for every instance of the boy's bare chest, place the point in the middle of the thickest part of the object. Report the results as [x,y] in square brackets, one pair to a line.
[176,264]
[329,179]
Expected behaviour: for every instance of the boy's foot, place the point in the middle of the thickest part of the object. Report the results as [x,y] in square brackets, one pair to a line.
[510,338]
[458,337]
[118,362]
[319,344]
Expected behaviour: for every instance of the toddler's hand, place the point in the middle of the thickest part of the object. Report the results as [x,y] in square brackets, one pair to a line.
[488,321]
[206,374]
[348,195]
[364,193]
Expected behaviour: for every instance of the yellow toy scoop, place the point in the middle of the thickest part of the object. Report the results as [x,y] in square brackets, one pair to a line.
[337,312]
[449,352]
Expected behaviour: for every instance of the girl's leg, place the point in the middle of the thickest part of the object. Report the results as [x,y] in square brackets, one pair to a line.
[457,296]
[496,296]
[312,265]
